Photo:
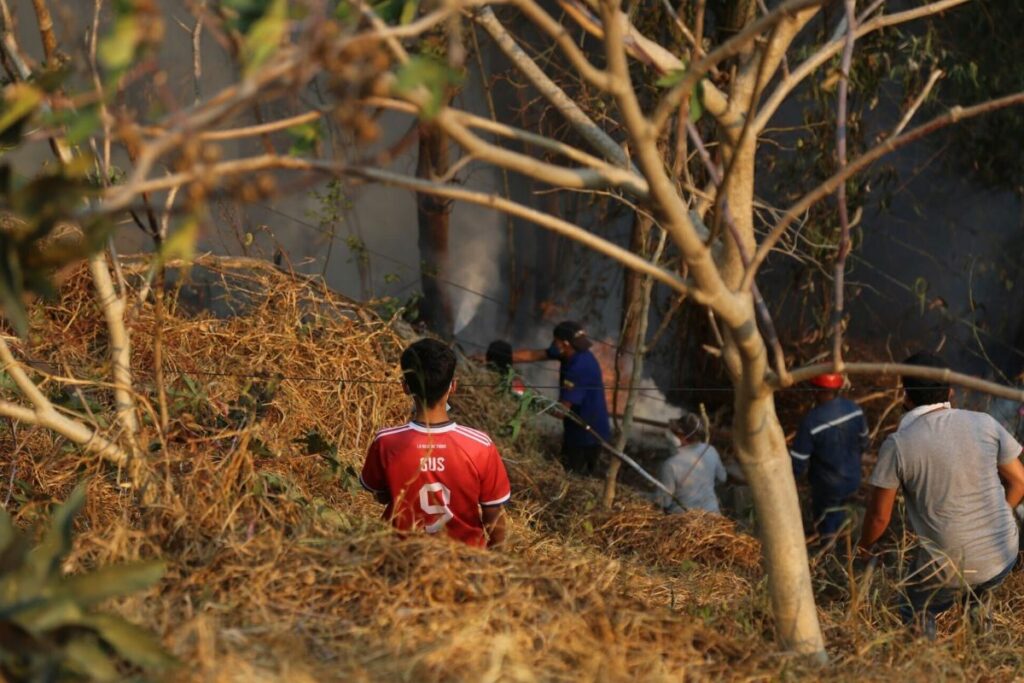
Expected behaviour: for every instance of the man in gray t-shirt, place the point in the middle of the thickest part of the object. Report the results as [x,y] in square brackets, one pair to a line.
[691,470]
[950,464]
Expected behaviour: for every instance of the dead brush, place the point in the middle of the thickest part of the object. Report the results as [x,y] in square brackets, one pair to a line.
[274,553]
[279,567]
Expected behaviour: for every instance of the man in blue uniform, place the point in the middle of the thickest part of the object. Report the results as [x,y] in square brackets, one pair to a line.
[828,447]
[581,393]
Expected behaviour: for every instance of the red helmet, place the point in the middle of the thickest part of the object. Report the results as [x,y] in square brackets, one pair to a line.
[830,380]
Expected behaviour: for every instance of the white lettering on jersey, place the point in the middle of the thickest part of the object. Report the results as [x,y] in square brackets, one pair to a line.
[432,464]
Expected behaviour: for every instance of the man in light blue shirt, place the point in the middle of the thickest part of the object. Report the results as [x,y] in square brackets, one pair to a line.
[691,470]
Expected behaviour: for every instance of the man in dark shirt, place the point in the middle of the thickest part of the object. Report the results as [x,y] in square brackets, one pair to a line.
[581,393]
[828,446]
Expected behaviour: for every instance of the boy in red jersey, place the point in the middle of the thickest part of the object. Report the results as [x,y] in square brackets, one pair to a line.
[431,473]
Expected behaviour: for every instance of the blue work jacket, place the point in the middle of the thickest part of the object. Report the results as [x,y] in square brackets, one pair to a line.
[828,447]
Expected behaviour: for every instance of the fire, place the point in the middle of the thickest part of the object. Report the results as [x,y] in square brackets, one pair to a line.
[604,351]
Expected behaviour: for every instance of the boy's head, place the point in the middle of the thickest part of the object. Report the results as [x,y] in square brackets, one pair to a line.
[499,356]
[428,367]
[923,392]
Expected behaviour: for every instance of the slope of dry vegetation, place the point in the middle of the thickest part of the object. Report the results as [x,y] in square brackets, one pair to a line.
[281,569]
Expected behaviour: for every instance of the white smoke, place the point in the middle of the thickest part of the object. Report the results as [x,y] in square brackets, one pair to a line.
[475,266]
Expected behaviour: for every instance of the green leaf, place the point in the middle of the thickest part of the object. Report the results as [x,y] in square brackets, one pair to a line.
[130,641]
[11,286]
[182,243]
[697,102]
[44,560]
[674,78]
[430,73]
[7,534]
[86,657]
[110,582]
[265,36]
[46,614]
[20,100]
[409,10]
[82,125]
[242,14]
[117,50]
[389,10]
[671,79]
[304,138]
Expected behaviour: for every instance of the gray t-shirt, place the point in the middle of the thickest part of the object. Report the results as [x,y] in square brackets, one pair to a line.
[690,473]
[946,461]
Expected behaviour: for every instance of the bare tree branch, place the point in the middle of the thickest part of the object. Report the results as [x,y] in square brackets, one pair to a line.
[954,115]
[733,46]
[583,124]
[832,48]
[921,372]
[844,214]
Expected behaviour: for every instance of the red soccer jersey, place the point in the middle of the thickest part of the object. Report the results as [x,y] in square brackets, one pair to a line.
[437,478]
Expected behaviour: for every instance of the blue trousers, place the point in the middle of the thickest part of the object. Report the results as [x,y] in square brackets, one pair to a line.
[829,512]
[929,600]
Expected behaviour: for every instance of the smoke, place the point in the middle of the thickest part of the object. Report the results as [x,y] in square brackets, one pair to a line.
[651,403]
[475,268]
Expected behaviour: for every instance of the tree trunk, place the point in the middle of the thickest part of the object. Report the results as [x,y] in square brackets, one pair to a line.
[636,298]
[433,214]
[761,447]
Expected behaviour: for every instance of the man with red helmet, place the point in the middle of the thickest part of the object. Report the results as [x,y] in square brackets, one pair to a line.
[828,446]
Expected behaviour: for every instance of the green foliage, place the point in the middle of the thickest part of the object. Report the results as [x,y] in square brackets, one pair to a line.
[32,209]
[978,46]
[48,629]
[136,26]
[674,78]
[434,75]
[263,35]
[304,138]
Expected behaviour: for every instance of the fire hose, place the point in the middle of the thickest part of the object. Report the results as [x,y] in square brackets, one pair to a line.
[553,404]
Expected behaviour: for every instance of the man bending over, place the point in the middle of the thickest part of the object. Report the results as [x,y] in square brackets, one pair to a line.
[961,478]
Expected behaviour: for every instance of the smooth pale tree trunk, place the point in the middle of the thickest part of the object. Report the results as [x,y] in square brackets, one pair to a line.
[761,447]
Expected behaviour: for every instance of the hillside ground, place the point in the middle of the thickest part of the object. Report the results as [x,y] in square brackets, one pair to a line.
[280,568]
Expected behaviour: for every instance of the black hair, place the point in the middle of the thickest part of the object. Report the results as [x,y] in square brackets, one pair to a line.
[499,356]
[428,367]
[572,332]
[923,392]
[689,425]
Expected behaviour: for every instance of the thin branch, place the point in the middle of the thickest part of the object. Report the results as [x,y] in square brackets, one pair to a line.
[933,78]
[944,375]
[635,182]
[954,115]
[645,50]
[113,306]
[45,21]
[546,23]
[670,101]
[262,129]
[672,212]
[844,214]
[45,415]
[566,106]
[832,48]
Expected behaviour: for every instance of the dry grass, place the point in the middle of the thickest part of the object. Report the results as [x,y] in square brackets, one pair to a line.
[281,570]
